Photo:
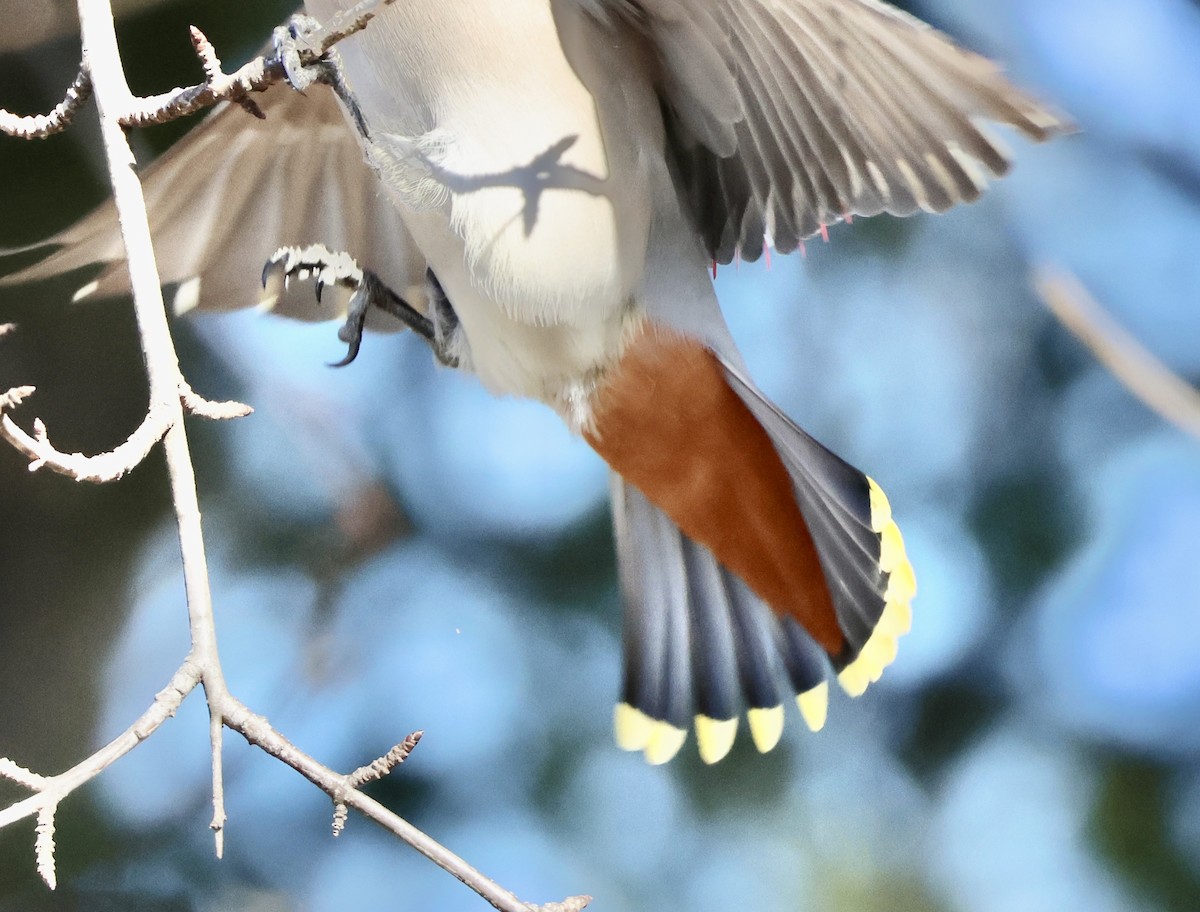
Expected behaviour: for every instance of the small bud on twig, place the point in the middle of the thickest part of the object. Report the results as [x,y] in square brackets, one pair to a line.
[387,762]
[44,845]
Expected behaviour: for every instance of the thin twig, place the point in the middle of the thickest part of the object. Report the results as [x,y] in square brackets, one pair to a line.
[52,789]
[18,774]
[377,769]
[574,904]
[169,396]
[1155,384]
[255,729]
[39,126]
[15,396]
[346,22]
[205,408]
[99,469]
[388,762]
[257,75]
[44,845]
[216,739]
[102,59]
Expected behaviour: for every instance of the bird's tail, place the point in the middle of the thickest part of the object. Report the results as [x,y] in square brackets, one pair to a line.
[751,557]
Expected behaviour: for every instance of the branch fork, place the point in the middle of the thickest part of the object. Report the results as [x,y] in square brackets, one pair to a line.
[170,399]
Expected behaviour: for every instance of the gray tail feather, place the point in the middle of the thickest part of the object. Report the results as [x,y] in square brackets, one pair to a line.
[701,645]
[698,643]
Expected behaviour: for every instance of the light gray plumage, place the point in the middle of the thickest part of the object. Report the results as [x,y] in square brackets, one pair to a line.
[568,169]
[238,188]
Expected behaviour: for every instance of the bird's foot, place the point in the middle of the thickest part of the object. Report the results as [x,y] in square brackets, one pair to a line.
[298,46]
[326,268]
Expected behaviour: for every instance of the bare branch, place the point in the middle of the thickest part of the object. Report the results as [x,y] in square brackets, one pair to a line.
[44,845]
[213,74]
[114,464]
[255,76]
[98,469]
[20,775]
[1155,384]
[387,762]
[50,790]
[375,770]
[14,397]
[216,735]
[40,126]
[205,408]
[341,814]
[255,729]
[346,22]
[170,395]
[574,904]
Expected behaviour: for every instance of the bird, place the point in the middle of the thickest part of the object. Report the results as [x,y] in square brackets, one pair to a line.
[540,188]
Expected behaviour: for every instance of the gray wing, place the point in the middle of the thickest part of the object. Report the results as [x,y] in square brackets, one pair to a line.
[234,190]
[787,115]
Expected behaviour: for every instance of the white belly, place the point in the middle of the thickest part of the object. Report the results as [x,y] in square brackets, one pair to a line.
[522,148]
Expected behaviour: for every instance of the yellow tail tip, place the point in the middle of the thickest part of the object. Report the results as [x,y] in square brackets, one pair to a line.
[766,727]
[714,737]
[881,510]
[896,619]
[891,548]
[878,653]
[902,582]
[631,727]
[814,706]
[665,742]
[854,678]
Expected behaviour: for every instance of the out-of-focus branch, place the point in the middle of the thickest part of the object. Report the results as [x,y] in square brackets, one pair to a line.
[1130,362]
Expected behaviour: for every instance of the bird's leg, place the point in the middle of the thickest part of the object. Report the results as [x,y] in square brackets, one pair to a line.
[368,291]
[445,320]
[292,41]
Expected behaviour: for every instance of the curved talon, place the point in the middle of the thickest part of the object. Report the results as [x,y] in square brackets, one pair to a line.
[324,268]
[351,353]
[351,332]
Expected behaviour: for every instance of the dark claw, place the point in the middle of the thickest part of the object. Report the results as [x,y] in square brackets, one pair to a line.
[266,273]
[351,354]
[320,290]
[351,333]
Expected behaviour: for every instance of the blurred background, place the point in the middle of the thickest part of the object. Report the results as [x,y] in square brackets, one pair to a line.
[393,549]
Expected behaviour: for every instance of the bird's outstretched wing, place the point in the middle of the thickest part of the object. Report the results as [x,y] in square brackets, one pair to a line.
[787,115]
[234,190]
